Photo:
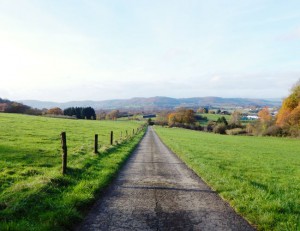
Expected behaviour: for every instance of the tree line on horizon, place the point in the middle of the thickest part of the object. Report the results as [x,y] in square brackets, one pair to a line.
[285,123]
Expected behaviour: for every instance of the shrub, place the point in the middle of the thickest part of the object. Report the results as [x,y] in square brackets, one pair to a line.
[210,126]
[220,128]
[236,131]
[273,131]
[222,120]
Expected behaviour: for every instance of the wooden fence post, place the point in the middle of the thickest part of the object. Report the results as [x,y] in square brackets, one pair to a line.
[96,144]
[132,131]
[65,152]
[111,138]
[126,134]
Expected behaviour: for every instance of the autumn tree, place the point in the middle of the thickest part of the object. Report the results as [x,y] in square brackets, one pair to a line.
[15,107]
[172,120]
[113,115]
[288,117]
[265,115]
[188,116]
[288,106]
[182,116]
[55,111]
[264,122]
[235,119]
[162,118]
[101,115]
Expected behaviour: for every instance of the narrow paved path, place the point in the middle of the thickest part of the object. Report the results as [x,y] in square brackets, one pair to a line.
[156,191]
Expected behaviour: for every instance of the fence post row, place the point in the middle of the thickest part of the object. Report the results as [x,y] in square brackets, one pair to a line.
[65,152]
[96,143]
[111,137]
[65,149]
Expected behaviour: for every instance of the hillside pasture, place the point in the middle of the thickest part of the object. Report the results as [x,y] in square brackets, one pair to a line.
[33,193]
[212,117]
[258,176]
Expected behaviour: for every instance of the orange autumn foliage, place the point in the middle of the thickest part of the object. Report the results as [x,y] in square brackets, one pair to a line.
[181,116]
[264,115]
[55,111]
[289,114]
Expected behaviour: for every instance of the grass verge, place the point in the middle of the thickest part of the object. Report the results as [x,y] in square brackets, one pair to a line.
[33,193]
[259,176]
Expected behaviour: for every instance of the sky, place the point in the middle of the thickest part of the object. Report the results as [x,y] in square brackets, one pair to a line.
[64,50]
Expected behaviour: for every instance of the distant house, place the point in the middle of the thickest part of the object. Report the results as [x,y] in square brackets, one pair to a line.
[252,117]
[225,113]
[3,107]
[149,116]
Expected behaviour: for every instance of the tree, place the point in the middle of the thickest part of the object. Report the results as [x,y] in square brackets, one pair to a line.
[182,116]
[55,111]
[172,119]
[150,122]
[265,119]
[162,118]
[188,116]
[16,108]
[288,117]
[101,115]
[235,119]
[81,112]
[88,113]
[265,115]
[113,115]
[202,110]
[222,120]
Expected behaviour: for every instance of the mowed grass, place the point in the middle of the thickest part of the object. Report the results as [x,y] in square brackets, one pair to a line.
[33,193]
[259,176]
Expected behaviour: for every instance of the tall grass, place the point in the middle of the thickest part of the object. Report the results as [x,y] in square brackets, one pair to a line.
[33,193]
[259,176]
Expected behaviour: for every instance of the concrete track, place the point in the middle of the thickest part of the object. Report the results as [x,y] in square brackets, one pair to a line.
[156,191]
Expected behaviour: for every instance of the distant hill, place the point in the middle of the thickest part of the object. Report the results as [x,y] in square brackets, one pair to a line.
[16,107]
[158,103]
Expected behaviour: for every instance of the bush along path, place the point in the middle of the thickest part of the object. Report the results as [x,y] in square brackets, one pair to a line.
[58,201]
[156,191]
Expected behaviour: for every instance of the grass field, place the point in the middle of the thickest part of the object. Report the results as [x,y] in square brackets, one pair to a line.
[33,193]
[213,117]
[259,176]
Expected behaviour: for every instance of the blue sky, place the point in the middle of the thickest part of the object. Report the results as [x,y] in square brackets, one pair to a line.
[77,50]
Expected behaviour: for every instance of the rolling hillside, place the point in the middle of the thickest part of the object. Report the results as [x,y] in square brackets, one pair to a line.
[158,103]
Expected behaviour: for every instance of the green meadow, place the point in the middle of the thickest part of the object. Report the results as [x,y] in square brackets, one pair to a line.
[212,117]
[258,176]
[34,195]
